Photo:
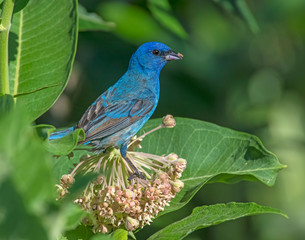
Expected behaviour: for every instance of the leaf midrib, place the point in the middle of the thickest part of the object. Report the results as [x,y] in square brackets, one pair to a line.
[234,172]
[16,79]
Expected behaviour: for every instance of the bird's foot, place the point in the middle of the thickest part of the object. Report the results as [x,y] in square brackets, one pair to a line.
[139,178]
[137,174]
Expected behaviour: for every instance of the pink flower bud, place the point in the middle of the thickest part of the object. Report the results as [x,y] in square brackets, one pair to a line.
[177,186]
[129,194]
[109,211]
[67,180]
[131,224]
[163,176]
[180,165]
[151,189]
[166,185]
[102,228]
[132,204]
[166,191]
[172,156]
[169,121]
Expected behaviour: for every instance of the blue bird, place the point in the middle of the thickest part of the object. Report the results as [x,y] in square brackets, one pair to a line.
[120,112]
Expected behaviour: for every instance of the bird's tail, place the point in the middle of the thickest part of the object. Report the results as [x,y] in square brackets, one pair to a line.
[60,134]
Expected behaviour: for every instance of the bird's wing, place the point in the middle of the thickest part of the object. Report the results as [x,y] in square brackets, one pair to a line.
[100,121]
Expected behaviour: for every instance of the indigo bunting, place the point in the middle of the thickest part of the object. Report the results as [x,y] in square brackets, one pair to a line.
[120,112]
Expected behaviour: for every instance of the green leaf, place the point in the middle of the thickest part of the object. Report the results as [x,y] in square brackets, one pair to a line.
[241,9]
[6,103]
[65,164]
[73,215]
[207,216]
[119,234]
[63,238]
[42,46]
[81,232]
[102,237]
[18,5]
[27,157]
[81,182]
[133,23]
[26,179]
[213,154]
[66,144]
[162,11]
[44,130]
[16,221]
[92,21]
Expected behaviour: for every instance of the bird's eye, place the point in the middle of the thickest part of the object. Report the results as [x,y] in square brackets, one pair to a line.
[156,52]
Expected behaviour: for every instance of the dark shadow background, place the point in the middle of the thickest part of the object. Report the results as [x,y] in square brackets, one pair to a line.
[229,76]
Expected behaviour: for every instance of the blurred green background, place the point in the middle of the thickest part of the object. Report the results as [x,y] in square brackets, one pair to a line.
[232,75]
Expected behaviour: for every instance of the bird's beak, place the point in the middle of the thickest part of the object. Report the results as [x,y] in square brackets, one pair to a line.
[171,55]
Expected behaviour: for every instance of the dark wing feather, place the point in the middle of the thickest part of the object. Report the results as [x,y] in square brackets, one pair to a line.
[99,121]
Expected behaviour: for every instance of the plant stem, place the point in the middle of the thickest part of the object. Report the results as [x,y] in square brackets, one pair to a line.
[6,16]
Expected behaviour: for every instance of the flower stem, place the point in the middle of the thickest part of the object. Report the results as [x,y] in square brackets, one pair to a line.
[145,134]
[6,16]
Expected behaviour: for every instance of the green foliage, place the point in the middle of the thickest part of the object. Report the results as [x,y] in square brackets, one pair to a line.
[42,46]
[241,9]
[162,11]
[65,145]
[214,154]
[20,4]
[6,103]
[81,232]
[73,214]
[92,21]
[120,234]
[64,164]
[207,216]
[26,180]
[132,22]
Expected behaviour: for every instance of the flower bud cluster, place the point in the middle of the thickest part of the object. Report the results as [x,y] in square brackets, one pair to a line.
[135,206]
[112,201]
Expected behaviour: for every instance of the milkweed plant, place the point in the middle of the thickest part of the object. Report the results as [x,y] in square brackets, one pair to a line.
[61,190]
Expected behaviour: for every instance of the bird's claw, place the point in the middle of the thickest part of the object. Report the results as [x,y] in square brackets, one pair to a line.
[137,174]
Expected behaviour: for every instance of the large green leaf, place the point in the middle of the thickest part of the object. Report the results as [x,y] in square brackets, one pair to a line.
[207,216]
[26,180]
[42,45]
[213,154]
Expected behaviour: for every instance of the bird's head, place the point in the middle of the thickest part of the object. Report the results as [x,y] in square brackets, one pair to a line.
[153,56]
